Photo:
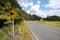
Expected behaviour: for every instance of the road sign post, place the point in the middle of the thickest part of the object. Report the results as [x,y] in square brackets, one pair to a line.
[12,16]
[12,28]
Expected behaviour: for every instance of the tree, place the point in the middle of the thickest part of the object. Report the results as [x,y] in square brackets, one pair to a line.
[34,17]
[52,18]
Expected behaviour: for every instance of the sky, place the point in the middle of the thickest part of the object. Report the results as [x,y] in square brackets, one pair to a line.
[42,8]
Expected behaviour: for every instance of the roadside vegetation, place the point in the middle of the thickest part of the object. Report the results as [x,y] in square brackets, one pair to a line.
[24,32]
[4,34]
[51,23]
[51,20]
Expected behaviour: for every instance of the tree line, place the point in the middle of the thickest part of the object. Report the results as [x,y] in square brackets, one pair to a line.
[52,18]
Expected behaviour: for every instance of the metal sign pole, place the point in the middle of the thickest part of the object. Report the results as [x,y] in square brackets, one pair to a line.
[12,25]
[12,16]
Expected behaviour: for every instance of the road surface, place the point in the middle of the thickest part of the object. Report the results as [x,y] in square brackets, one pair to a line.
[43,32]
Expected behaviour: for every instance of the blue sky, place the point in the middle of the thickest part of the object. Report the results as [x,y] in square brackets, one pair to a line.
[41,7]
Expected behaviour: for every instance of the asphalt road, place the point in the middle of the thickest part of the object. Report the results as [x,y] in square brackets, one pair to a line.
[43,32]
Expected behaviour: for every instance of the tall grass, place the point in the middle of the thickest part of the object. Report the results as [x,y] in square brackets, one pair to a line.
[25,32]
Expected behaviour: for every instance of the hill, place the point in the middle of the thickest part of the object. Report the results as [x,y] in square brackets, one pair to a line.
[5,8]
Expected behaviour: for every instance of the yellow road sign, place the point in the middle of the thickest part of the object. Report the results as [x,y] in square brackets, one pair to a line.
[12,14]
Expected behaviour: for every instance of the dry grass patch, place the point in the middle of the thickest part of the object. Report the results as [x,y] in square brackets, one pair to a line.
[25,32]
[51,23]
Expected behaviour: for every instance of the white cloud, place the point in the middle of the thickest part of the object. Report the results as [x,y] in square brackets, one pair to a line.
[38,2]
[34,9]
[53,4]
[25,3]
[54,12]
[45,13]
[30,4]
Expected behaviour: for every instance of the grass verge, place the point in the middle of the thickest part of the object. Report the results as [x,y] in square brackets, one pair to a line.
[25,32]
[51,23]
[5,33]
[16,27]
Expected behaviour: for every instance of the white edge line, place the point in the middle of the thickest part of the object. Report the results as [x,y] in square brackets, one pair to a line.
[33,34]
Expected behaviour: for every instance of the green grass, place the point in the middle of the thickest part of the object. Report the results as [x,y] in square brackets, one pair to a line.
[1,36]
[51,23]
[4,34]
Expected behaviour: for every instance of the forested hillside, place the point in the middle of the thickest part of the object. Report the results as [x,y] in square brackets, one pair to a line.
[5,8]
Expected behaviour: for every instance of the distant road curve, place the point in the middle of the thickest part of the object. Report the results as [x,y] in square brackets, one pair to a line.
[43,32]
